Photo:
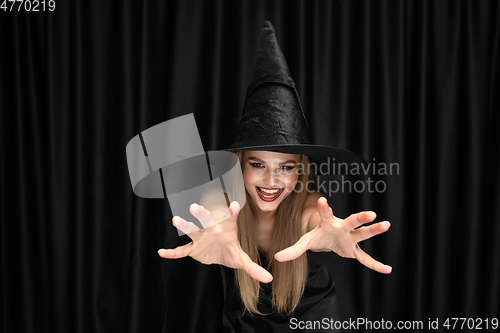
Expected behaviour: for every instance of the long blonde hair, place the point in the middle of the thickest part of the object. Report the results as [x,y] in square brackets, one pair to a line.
[289,278]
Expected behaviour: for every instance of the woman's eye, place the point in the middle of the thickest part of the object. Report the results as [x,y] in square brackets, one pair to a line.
[287,167]
[256,165]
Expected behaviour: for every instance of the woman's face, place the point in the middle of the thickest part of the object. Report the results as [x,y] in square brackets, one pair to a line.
[269,177]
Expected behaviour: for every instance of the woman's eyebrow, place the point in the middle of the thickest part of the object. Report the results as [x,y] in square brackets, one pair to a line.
[256,159]
[261,161]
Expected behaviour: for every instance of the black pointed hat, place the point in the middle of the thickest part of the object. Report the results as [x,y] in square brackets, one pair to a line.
[273,119]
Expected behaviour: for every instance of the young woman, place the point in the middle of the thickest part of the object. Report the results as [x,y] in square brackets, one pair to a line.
[280,221]
[266,250]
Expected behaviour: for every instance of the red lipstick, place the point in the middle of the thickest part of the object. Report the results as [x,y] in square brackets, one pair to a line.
[268,197]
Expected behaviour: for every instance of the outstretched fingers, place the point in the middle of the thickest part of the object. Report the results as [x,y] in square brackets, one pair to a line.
[256,271]
[234,211]
[184,226]
[371,263]
[179,252]
[358,219]
[325,211]
[296,250]
[202,214]
[367,232]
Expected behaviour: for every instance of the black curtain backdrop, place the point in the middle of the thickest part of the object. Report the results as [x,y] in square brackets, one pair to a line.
[409,82]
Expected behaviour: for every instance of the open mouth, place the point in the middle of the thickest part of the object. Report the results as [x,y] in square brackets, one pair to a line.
[269,194]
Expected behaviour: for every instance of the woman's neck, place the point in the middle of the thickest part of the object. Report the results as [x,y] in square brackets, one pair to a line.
[265,217]
[264,230]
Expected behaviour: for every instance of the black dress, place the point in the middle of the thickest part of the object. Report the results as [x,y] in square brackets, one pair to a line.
[316,312]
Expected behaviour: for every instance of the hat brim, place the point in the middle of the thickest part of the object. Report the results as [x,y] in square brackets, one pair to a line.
[318,154]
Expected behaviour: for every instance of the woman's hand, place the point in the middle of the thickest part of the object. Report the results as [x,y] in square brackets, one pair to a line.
[340,236]
[216,244]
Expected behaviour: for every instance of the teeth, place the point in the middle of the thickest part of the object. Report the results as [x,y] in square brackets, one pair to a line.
[269,191]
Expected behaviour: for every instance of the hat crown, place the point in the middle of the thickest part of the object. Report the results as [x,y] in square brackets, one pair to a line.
[270,58]
[272,114]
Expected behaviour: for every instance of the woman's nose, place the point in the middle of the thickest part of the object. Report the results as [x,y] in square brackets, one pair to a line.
[271,177]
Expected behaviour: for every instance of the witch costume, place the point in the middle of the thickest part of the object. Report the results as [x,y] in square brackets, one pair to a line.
[273,120]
